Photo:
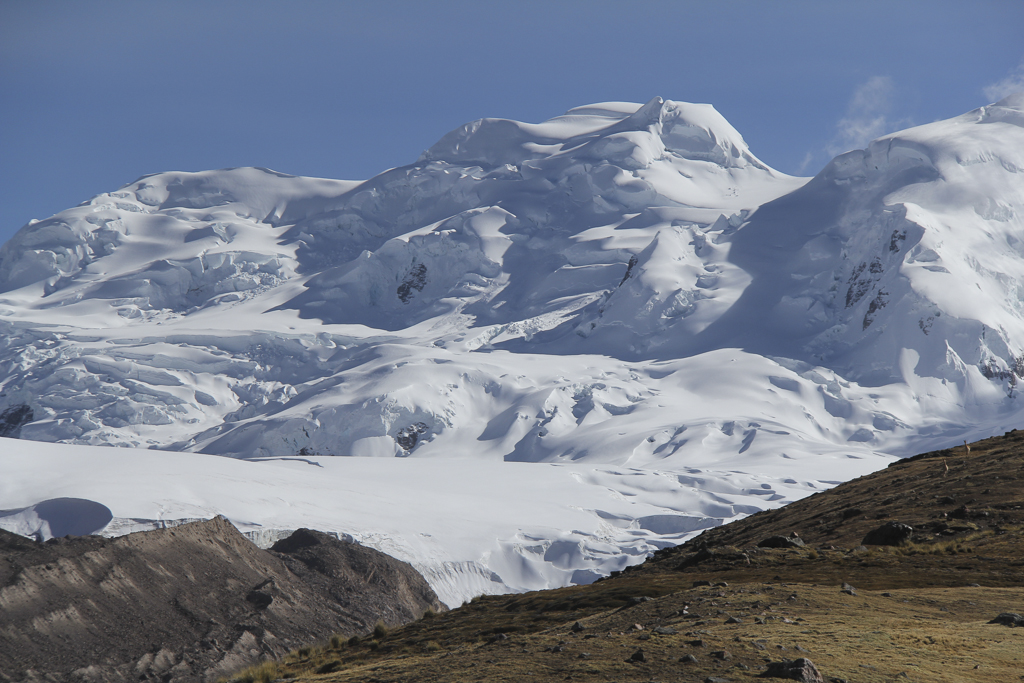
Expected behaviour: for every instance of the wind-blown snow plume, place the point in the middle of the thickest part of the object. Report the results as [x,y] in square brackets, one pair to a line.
[867,115]
[1012,83]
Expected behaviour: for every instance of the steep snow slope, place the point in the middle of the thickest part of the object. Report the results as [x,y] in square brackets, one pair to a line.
[911,245]
[624,293]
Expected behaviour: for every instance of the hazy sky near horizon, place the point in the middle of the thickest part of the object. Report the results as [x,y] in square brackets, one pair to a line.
[95,94]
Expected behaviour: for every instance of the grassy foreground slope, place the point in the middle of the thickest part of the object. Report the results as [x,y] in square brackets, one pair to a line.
[720,608]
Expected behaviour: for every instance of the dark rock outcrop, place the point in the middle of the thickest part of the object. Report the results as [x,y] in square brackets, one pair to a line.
[369,585]
[795,670]
[791,541]
[890,533]
[14,418]
[1009,619]
[189,603]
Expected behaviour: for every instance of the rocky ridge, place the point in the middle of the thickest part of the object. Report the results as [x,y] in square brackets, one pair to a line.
[187,604]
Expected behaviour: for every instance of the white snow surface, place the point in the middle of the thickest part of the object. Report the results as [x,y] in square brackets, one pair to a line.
[547,349]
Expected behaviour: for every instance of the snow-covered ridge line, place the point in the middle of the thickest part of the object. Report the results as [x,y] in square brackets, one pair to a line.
[625,292]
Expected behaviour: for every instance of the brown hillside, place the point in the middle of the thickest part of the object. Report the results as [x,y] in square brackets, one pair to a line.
[951,498]
[721,609]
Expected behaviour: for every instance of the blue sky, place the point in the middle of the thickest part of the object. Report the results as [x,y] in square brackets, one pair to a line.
[96,94]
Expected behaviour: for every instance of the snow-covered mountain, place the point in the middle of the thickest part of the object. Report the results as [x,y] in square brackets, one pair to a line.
[668,331]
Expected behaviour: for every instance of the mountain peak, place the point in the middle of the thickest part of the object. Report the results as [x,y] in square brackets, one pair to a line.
[690,131]
[621,289]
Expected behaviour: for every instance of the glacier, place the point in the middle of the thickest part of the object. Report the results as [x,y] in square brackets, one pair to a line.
[527,359]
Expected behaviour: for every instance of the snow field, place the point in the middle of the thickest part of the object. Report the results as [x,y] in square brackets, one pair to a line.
[471,526]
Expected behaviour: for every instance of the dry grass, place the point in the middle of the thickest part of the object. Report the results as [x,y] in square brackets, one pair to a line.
[928,635]
[918,614]
[264,672]
[380,630]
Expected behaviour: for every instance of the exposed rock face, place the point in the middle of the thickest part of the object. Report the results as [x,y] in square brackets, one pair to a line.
[13,419]
[368,584]
[186,604]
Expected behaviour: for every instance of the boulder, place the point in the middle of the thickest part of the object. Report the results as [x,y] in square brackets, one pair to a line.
[801,669]
[791,541]
[890,533]
[962,512]
[1009,619]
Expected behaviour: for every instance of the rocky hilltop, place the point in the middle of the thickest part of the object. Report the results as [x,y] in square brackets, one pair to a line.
[191,603]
